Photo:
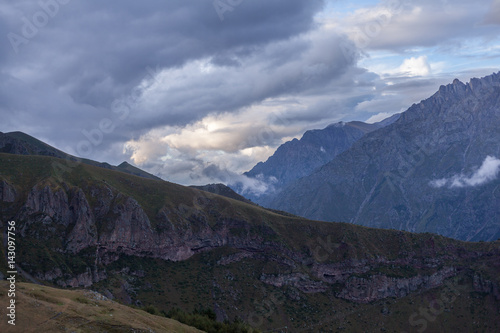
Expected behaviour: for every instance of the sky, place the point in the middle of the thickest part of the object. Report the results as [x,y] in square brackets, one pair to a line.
[199,91]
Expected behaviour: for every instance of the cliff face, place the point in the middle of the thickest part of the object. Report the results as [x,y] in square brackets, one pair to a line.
[123,225]
[7,192]
[110,223]
[376,287]
[423,173]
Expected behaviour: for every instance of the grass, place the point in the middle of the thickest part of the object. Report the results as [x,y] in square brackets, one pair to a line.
[46,309]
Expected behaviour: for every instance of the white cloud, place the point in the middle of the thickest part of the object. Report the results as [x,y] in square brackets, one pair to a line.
[378,117]
[410,68]
[217,149]
[487,172]
[439,182]
[415,67]
[403,25]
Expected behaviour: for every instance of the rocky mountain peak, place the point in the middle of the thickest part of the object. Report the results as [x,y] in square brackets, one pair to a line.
[385,178]
[475,85]
[447,101]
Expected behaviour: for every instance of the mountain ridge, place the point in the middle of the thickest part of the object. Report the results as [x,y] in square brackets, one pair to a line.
[223,190]
[24,144]
[383,179]
[298,158]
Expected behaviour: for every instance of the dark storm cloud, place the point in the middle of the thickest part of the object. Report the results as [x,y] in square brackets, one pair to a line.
[177,85]
[187,94]
[70,68]
[108,45]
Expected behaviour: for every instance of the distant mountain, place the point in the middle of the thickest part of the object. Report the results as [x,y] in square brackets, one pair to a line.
[435,169]
[298,158]
[20,143]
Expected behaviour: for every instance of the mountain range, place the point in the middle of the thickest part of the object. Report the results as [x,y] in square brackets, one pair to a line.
[172,249]
[158,245]
[435,169]
[299,158]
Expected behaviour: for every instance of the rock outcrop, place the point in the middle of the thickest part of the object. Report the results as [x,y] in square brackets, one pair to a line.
[300,281]
[483,285]
[375,287]
[7,192]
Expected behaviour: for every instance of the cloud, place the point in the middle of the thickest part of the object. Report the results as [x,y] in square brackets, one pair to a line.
[244,184]
[415,66]
[183,95]
[201,167]
[403,25]
[378,117]
[106,50]
[487,172]
[93,53]
[493,15]
[199,91]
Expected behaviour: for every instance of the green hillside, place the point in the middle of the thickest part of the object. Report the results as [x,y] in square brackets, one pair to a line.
[154,243]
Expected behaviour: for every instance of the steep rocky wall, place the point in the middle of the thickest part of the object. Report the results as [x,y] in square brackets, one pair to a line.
[110,223]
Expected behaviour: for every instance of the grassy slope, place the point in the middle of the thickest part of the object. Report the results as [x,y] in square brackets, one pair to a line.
[45,309]
[293,232]
[200,282]
[42,146]
[128,168]
[36,143]
[27,171]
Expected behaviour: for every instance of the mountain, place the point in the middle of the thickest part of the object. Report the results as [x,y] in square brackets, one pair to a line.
[433,170]
[298,158]
[128,168]
[223,190]
[24,144]
[156,244]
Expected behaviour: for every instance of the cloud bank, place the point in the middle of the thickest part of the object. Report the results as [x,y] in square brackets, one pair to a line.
[487,172]
[185,88]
